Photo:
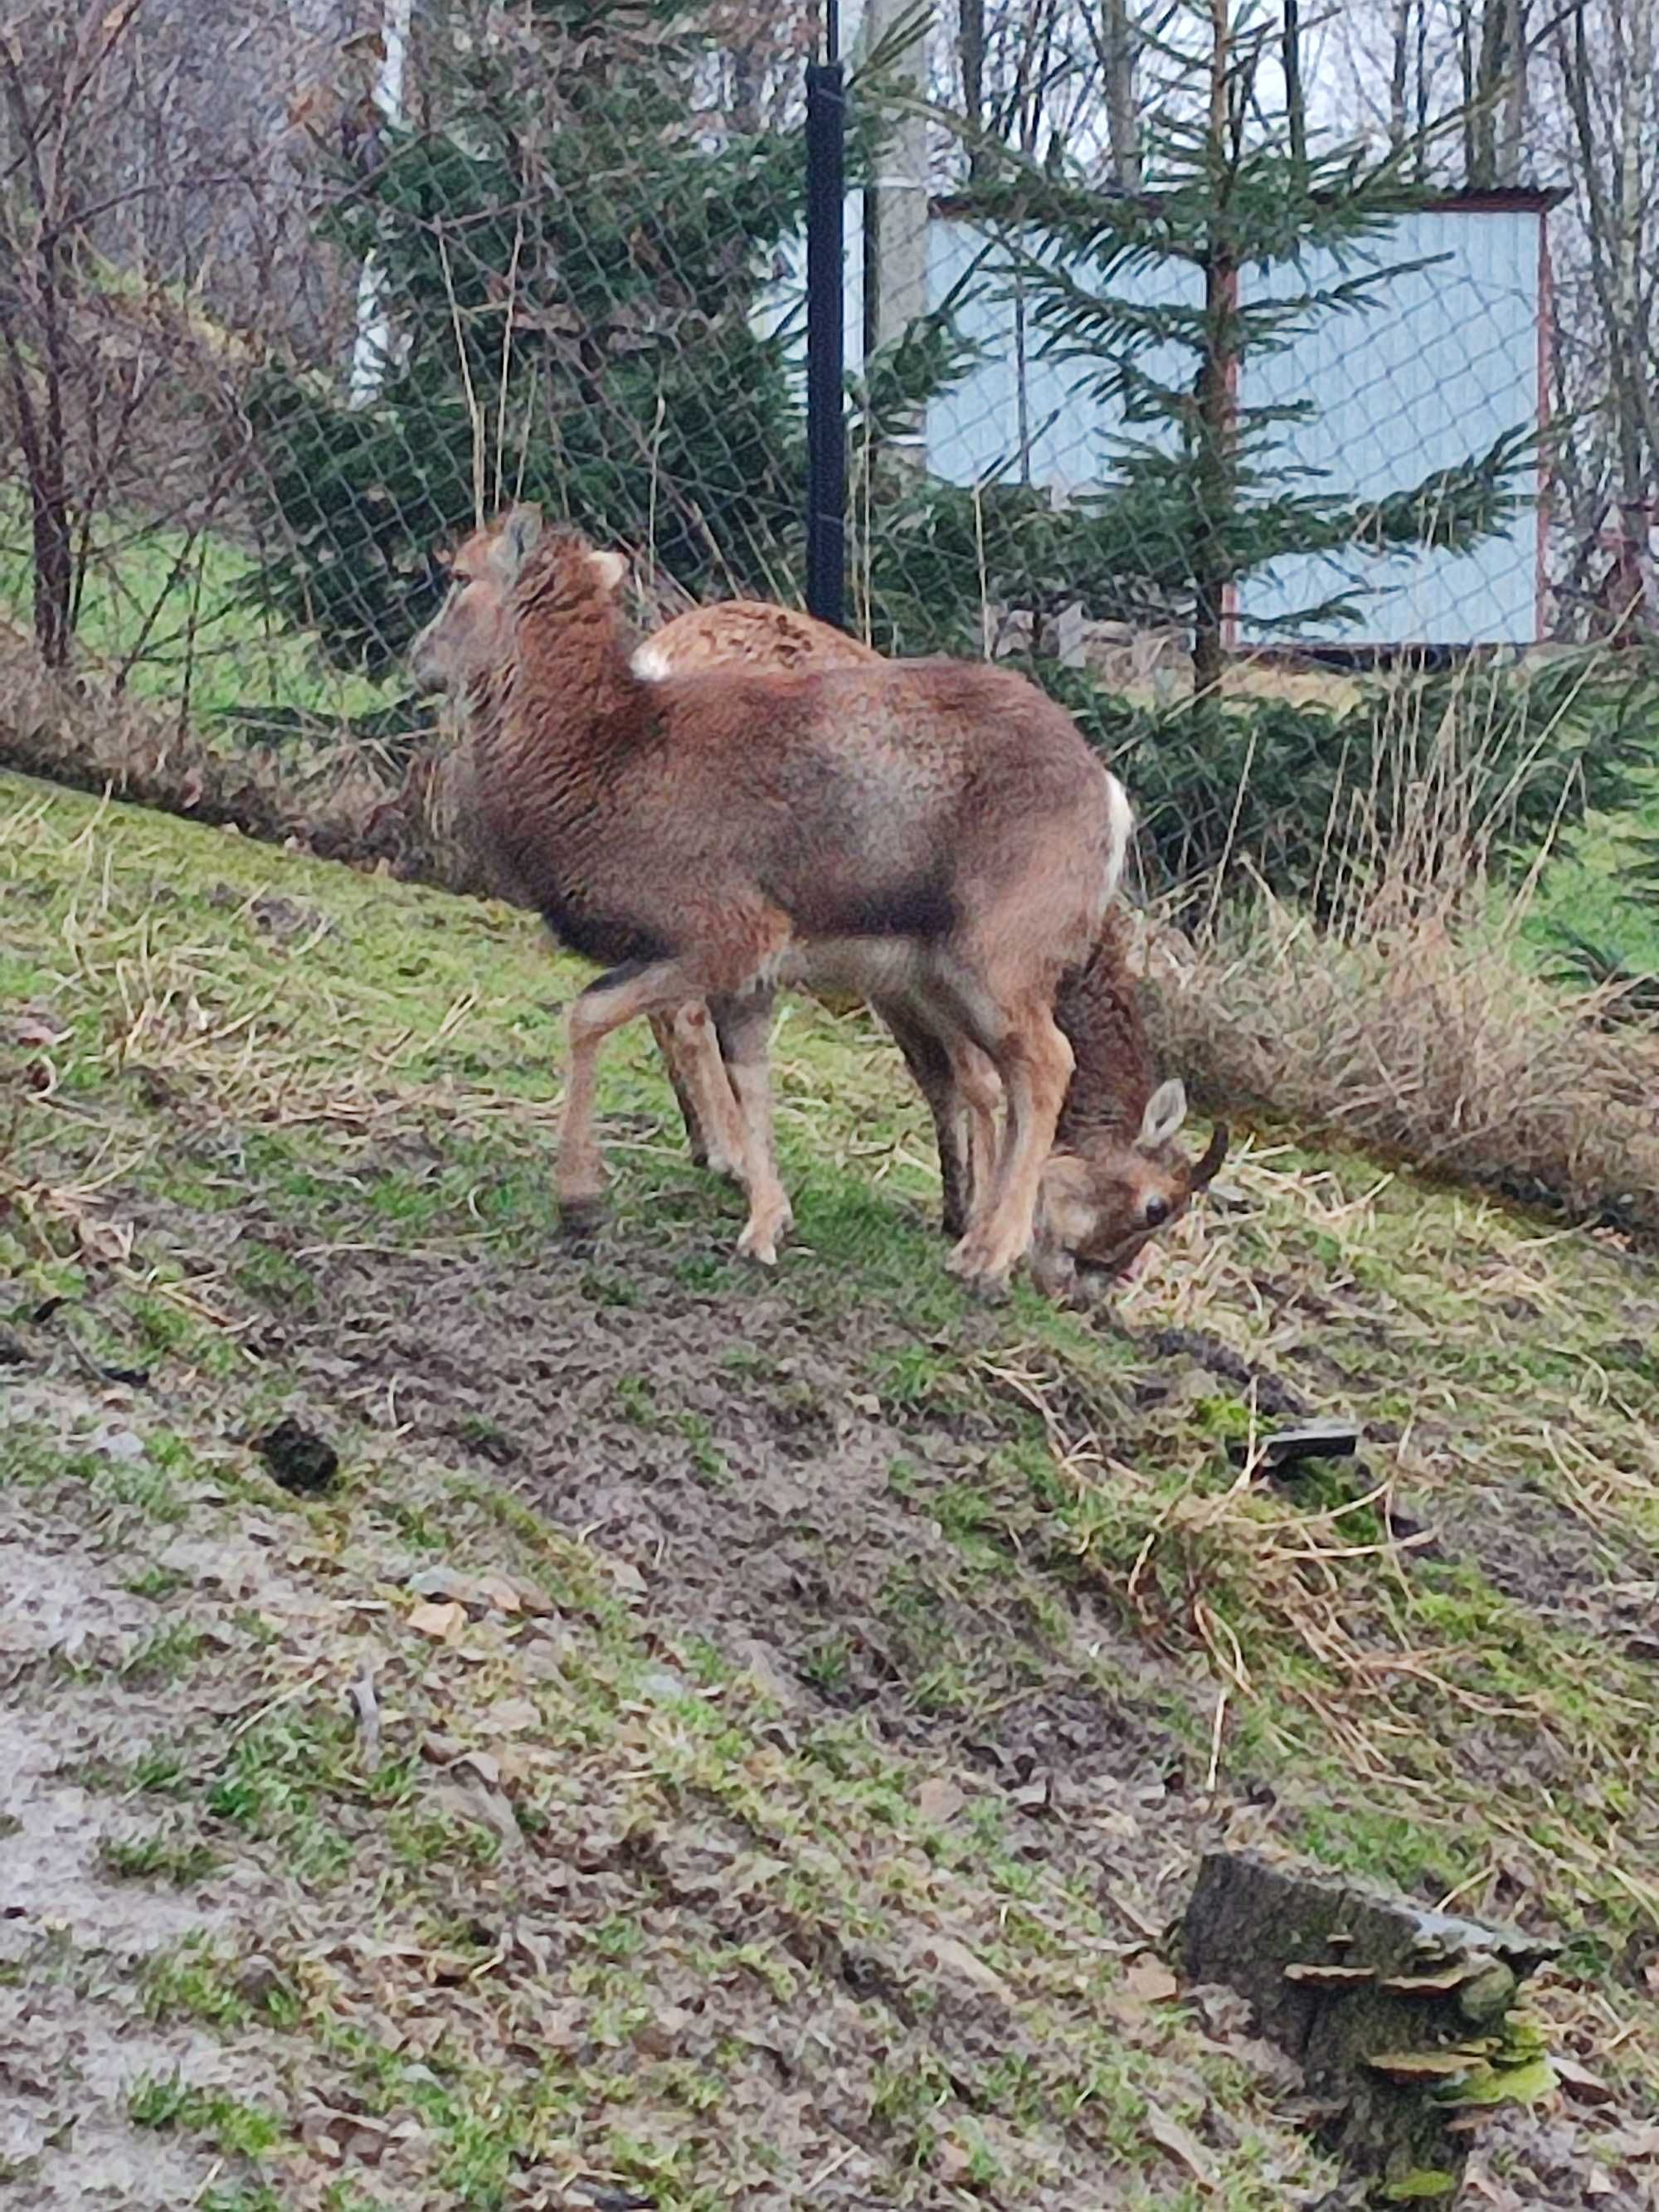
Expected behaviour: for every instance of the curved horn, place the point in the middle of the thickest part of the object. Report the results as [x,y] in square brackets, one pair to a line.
[1214,1152]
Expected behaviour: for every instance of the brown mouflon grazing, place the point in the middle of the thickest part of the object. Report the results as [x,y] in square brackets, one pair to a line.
[1115,1176]
[932,834]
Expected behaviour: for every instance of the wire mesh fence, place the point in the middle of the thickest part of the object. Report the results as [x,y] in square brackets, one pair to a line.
[289,305]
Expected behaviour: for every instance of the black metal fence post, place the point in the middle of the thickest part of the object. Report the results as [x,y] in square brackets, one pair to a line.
[826,428]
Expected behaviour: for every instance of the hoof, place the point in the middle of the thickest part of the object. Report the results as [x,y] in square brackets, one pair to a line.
[760,1241]
[963,1259]
[979,1272]
[580,1218]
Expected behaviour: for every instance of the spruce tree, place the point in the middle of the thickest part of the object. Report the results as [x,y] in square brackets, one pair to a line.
[570,257]
[1238,213]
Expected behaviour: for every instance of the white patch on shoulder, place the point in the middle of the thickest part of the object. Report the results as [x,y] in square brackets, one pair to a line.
[1119,827]
[651,664]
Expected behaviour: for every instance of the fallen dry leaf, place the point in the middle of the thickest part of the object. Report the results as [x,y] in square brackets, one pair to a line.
[1589,2089]
[497,1591]
[1169,2135]
[36,1034]
[953,2162]
[1149,1979]
[510,1717]
[945,1955]
[442,1623]
[107,1241]
[940,1800]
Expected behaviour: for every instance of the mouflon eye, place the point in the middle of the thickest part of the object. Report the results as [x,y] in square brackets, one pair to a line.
[1156,1211]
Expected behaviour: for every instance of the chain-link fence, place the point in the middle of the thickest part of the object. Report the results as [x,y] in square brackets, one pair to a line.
[1238,438]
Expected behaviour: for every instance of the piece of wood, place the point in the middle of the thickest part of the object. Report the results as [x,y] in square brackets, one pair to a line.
[1394,2013]
[1320,1438]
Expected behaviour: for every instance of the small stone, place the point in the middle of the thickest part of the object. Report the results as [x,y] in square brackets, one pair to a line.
[940,1800]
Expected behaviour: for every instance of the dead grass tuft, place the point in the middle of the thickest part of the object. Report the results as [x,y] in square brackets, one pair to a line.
[1418,1044]
[1407,1017]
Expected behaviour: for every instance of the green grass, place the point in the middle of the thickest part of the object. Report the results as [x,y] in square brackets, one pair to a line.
[1589,894]
[159,1858]
[237,2130]
[182,609]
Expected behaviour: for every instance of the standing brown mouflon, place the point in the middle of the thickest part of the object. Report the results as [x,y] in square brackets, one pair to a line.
[960,1086]
[936,834]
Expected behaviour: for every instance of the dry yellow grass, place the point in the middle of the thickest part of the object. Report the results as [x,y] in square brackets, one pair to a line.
[1420,1044]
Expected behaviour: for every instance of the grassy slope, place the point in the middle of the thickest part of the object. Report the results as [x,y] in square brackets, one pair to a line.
[177,604]
[902,1654]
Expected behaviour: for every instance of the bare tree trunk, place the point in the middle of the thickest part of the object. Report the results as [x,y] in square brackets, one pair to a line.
[1512,127]
[39,259]
[372,346]
[1468,71]
[1123,116]
[970,53]
[1615,188]
[1488,89]
[1628,319]
[1397,74]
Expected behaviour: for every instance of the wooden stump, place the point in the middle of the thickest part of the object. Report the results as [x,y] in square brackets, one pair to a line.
[1396,2015]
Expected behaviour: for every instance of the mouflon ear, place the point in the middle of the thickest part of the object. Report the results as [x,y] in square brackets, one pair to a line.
[611,567]
[516,540]
[1166,1109]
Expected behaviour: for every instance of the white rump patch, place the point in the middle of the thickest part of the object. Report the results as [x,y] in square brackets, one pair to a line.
[651,664]
[1119,827]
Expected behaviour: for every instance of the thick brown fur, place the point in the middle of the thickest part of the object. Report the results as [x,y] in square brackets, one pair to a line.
[936,832]
[751,633]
